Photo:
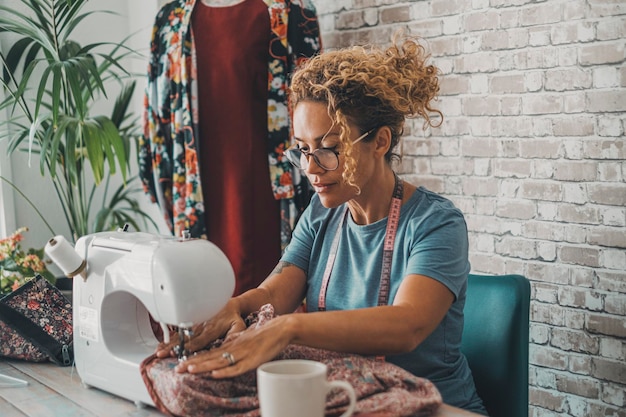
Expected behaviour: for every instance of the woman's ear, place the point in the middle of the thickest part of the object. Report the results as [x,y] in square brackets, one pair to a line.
[382,140]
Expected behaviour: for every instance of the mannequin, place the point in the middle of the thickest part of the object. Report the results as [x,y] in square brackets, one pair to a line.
[216,122]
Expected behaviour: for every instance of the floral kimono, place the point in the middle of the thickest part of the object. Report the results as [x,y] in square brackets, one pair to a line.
[168,159]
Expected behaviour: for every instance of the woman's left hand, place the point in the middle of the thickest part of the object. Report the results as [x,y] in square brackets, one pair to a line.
[248,350]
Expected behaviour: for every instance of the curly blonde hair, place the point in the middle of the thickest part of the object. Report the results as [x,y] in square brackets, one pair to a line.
[370,87]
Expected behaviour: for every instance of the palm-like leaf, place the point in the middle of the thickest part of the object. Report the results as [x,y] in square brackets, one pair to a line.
[51,82]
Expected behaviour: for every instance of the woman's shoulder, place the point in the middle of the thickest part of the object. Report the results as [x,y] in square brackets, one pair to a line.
[426,198]
[428,206]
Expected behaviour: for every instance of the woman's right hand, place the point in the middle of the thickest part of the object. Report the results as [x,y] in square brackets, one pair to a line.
[227,321]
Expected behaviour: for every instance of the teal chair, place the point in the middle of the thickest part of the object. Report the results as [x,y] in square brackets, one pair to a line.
[495,341]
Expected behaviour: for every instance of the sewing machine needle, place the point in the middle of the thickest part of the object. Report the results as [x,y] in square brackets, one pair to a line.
[181,344]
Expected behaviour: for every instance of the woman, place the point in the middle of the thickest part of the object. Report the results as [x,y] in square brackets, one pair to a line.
[364,293]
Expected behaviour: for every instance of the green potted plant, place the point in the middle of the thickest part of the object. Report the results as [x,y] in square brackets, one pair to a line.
[51,82]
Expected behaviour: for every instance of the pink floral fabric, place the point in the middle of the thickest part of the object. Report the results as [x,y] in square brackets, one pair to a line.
[380,387]
[43,304]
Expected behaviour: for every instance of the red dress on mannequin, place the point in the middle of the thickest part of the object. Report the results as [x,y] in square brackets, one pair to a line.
[242,216]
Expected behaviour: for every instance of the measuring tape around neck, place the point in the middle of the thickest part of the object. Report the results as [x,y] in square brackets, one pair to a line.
[388,245]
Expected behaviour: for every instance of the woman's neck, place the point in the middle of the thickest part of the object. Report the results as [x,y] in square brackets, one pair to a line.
[374,201]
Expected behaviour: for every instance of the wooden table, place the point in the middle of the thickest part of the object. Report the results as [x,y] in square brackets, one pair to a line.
[58,392]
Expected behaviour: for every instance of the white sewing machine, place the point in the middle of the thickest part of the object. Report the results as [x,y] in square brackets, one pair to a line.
[122,277]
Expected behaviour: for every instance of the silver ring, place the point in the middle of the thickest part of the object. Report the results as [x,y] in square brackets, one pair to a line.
[230,357]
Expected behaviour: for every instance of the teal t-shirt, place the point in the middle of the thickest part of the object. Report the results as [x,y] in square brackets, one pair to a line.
[431,240]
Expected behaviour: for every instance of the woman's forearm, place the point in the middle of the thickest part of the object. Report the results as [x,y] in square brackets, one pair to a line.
[369,331]
[377,330]
[251,301]
[284,289]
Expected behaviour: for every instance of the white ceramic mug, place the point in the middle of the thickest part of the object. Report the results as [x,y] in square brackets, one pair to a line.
[294,387]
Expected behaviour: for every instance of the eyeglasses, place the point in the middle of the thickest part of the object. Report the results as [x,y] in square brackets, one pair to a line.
[326,158]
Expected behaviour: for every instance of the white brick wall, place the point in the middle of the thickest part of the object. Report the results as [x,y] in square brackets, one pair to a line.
[532,149]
